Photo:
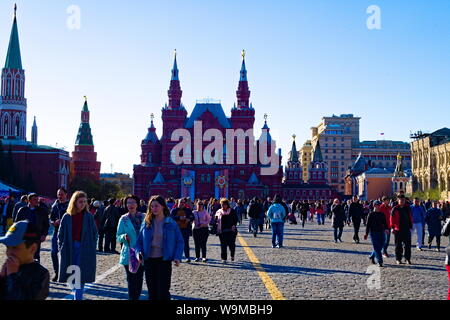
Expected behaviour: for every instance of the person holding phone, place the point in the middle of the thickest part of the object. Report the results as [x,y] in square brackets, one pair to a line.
[159,244]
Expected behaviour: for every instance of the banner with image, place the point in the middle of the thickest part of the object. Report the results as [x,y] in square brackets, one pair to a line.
[188,183]
[221,184]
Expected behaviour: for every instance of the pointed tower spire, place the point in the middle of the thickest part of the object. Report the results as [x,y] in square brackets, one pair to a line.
[175,67]
[243,68]
[175,92]
[84,136]
[243,93]
[151,137]
[317,156]
[399,168]
[34,132]
[294,153]
[266,129]
[13,58]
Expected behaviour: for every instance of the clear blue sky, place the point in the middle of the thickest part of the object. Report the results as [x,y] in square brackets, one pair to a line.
[305,60]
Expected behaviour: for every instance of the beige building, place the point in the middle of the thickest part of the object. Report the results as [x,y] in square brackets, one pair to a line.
[124,181]
[431,161]
[341,145]
[305,155]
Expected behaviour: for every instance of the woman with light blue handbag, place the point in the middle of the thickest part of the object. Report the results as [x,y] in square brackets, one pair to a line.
[127,234]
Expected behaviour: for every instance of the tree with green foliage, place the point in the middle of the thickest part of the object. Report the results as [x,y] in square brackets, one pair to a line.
[432,194]
[94,189]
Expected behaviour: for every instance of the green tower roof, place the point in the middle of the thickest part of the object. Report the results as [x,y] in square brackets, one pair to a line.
[84,136]
[13,58]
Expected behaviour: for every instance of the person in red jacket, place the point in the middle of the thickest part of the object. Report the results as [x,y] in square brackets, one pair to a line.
[386,209]
[401,224]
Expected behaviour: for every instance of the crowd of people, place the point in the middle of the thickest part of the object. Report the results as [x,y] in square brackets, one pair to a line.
[154,236]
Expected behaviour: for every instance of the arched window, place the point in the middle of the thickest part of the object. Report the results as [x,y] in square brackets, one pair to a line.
[17,127]
[5,125]
[8,87]
[149,157]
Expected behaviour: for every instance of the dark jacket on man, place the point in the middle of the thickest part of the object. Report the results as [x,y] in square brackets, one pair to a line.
[254,210]
[355,212]
[338,216]
[31,282]
[38,216]
[110,218]
[376,222]
[401,219]
[57,212]
[17,207]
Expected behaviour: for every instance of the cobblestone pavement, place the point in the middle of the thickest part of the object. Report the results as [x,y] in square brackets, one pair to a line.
[310,266]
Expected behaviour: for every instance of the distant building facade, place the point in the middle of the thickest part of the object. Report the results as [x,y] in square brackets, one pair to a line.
[316,188]
[306,158]
[124,181]
[369,182]
[431,162]
[158,174]
[341,145]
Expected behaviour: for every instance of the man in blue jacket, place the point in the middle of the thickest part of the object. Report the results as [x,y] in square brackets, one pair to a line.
[418,214]
[277,214]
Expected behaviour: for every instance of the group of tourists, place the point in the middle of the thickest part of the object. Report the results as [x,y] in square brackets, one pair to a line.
[154,236]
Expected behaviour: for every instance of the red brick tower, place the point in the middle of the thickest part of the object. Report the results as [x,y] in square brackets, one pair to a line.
[84,162]
[173,115]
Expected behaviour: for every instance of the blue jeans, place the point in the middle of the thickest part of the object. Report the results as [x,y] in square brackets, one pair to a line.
[277,233]
[387,238]
[338,233]
[186,234]
[77,293]
[54,252]
[321,218]
[253,225]
[378,243]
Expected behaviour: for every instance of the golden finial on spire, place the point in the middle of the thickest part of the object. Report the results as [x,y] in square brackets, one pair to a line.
[243,54]
[85,98]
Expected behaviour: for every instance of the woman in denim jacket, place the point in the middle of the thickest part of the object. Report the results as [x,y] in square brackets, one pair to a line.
[159,244]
